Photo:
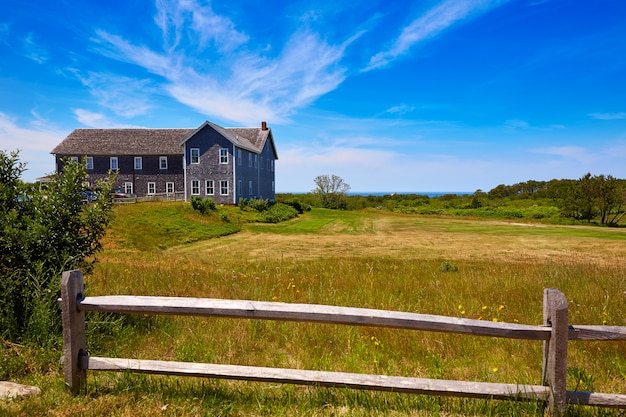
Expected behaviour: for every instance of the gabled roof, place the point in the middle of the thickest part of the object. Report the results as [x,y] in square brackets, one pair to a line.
[123,142]
[252,139]
[155,141]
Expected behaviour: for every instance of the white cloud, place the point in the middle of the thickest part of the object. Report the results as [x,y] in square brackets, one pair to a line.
[576,153]
[428,25]
[254,88]
[33,51]
[126,97]
[198,22]
[608,116]
[34,143]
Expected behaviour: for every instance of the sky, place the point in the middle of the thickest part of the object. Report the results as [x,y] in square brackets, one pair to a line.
[392,96]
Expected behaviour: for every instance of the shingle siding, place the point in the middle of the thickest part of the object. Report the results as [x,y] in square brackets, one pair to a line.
[176,144]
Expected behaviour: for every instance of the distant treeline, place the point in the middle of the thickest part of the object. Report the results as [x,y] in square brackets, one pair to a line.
[592,198]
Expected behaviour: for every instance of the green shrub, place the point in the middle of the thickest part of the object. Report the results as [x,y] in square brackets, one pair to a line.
[43,234]
[203,205]
[447,266]
[278,212]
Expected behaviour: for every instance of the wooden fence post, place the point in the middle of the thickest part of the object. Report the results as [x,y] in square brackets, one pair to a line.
[74,344]
[555,315]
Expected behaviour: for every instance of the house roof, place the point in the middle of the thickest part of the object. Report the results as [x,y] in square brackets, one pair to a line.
[155,141]
[123,142]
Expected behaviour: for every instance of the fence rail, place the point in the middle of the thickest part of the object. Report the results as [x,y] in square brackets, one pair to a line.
[555,334]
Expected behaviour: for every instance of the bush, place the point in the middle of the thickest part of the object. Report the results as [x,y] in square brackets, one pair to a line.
[279,212]
[43,232]
[447,266]
[203,205]
[258,204]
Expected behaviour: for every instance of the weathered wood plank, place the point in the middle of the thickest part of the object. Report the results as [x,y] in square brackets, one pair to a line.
[312,313]
[597,399]
[72,290]
[591,332]
[555,314]
[322,378]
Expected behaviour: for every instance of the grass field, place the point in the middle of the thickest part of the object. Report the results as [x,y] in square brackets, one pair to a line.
[483,269]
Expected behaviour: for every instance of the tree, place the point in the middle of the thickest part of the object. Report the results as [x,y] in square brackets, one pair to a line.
[44,230]
[593,196]
[331,190]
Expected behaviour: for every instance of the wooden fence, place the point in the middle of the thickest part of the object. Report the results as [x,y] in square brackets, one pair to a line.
[554,333]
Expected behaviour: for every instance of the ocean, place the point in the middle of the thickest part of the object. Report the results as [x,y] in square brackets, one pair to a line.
[427,193]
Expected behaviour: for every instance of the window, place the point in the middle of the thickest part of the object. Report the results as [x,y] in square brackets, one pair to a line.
[209,188]
[169,187]
[272,165]
[89,162]
[138,163]
[224,187]
[113,163]
[256,161]
[163,162]
[223,155]
[238,156]
[249,160]
[195,187]
[128,187]
[261,163]
[74,158]
[152,188]
[250,188]
[195,155]
[239,187]
[272,186]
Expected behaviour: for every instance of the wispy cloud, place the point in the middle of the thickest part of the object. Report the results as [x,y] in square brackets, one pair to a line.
[244,86]
[608,116]
[189,19]
[41,139]
[577,153]
[34,51]
[126,97]
[430,24]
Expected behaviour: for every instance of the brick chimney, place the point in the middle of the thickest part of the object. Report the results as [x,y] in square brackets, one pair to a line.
[263,126]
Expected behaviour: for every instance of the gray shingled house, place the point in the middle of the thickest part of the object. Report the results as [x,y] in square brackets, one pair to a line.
[226,164]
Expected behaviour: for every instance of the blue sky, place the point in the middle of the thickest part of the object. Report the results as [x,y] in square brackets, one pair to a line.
[434,95]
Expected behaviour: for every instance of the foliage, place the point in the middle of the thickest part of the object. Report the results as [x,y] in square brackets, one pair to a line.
[278,212]
[257,204]
[44,231]
[331,191]
[202,205]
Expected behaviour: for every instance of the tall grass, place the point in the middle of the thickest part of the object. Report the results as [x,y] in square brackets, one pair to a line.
[502,287]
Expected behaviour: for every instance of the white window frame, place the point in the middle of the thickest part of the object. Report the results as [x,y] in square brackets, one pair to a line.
[194,156]
[151,188]
[138,163]
[209,187]
[74,158]
[224,186]
[89,163]
[128,188]
[223,155]
[195,187]
[162,162]
[169,188]
[114,164]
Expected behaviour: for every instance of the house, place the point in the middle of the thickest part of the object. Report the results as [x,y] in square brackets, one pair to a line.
[226,164]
